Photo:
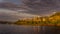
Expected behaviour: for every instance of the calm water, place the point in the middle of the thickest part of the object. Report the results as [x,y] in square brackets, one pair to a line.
[17,29]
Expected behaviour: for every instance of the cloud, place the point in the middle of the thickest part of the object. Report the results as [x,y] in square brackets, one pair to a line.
[10,15]
[1,0]
[14,1]
[37,7]
[28,8]
[41,7]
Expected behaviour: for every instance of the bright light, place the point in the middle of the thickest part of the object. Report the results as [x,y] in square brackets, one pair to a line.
[54,12]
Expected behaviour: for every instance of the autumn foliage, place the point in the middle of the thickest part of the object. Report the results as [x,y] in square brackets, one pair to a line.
[47,20]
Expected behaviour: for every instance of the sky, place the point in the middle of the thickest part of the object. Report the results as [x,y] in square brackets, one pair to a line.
[28,8]
[1,0]
[13,1]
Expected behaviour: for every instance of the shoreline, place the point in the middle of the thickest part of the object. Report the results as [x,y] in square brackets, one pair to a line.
[36,24]
[42,25]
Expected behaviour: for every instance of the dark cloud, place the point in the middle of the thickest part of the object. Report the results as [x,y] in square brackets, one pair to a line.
[36,7]
[10,15]
[42,6]
[27,8]
[36,4]
[8,5]
[13,1]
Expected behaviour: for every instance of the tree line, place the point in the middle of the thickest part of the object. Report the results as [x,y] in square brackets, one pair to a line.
[46,20]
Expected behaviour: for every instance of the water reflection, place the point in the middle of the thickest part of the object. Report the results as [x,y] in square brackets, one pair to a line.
[17,29]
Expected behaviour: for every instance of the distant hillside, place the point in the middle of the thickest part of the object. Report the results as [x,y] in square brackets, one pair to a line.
[56,16]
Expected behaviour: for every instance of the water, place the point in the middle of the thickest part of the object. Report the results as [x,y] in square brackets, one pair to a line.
[20,29]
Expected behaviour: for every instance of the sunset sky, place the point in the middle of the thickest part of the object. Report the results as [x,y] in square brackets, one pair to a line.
[12,10]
